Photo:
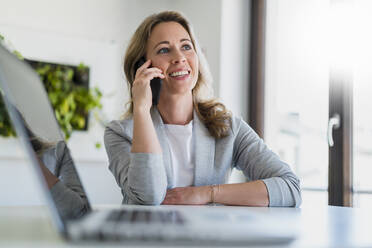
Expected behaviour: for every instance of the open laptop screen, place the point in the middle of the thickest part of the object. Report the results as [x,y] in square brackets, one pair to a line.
[34,121]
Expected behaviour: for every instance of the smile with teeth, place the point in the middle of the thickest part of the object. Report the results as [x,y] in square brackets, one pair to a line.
[178,73]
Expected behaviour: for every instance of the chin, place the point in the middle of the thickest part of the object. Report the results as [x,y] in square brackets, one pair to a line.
[181,90]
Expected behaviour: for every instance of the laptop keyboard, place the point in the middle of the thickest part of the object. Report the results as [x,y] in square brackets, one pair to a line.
[135,224]
[142,216]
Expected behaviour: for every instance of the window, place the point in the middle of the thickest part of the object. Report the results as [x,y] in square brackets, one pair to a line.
[362,78]
[296,91]
[304,40]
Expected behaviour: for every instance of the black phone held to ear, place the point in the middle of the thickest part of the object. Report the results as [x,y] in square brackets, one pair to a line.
[155,83]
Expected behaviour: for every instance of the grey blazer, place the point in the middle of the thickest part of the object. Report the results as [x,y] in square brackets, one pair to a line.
[144,178]
[67,193]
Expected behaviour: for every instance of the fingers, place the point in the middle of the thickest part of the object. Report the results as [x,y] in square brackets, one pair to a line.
[167,200]
[175,196]
[171,201]
[184,196]
[170,197]
[146,73]
[152,72]
[144,66]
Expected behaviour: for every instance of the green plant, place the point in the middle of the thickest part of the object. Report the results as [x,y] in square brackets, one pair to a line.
[68,93]
[70,99]
[6,128]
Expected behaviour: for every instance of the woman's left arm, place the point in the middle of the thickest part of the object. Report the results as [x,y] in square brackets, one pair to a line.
[258,162]
[240,194]
[271,181]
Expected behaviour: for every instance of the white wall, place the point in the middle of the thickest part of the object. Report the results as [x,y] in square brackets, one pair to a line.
[96,33]
[68,32]
[234,61]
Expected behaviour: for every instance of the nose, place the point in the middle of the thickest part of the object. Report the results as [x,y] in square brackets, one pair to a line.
[178,57]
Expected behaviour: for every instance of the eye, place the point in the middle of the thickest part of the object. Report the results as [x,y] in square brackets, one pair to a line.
[163,50]
[187,47]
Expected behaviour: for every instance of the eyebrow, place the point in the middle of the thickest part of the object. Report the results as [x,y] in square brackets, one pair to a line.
[167,42]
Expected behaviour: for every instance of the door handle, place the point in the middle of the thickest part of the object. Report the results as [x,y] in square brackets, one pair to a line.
[333,123]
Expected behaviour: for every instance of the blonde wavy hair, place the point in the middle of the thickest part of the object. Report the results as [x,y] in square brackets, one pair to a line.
[212,113]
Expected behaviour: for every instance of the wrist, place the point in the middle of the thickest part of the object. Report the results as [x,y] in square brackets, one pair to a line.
[211,192]
[205,197]
[140,110]
[215,193]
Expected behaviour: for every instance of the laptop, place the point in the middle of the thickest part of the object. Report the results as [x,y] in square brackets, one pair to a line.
[36,126]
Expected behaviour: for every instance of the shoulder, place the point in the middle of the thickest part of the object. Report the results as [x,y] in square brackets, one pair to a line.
[240,130]
[238,125]
[54,150]
[120,127]
[237,128]
[60,148]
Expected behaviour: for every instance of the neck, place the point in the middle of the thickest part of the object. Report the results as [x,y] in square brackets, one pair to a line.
[176,109]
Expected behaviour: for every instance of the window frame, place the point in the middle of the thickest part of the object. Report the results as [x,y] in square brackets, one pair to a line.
[340,164]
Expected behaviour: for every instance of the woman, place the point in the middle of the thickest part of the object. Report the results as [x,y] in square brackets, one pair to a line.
[62,180]
[183,150]
[60,175]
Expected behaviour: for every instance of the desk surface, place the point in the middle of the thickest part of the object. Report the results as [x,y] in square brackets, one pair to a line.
[318,226]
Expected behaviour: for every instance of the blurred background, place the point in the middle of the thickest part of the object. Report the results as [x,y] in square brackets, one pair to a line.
[96,33]
[299,46]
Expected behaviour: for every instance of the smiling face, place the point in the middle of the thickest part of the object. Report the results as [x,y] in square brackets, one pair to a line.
[170,49]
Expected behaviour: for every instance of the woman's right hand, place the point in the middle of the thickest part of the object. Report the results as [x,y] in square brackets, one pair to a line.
[141,90]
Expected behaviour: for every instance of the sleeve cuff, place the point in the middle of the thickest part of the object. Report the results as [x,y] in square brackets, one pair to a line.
[147,180]
[276,197]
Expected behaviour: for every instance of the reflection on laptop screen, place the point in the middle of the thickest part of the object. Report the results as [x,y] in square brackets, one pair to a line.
[36,125]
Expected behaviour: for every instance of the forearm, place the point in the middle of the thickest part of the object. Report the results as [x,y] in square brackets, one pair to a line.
[51,179]
[69,202]
[240,194]
[244,194]
[146,179]
[141,176]
[145,139]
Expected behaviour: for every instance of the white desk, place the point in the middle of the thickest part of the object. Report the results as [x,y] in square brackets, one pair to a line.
[318,226]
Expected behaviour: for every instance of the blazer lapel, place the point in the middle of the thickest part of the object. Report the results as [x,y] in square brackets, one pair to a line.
[204,153]
[159,128]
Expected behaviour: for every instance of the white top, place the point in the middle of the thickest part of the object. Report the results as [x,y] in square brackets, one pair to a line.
[182,153]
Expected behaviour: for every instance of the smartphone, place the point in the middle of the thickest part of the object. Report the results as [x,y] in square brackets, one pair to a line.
[155,83]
